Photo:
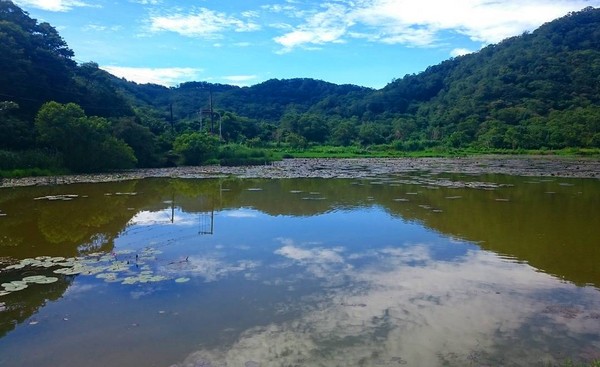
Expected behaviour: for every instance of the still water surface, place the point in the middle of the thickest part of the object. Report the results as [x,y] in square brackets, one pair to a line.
[405,270]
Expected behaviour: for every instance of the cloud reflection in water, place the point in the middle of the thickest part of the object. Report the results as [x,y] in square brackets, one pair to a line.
[403,307]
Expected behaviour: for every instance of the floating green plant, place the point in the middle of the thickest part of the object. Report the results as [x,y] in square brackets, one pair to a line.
[124,266]
[14,286]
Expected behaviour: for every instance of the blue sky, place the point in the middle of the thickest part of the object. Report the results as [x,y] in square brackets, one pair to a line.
[245,42]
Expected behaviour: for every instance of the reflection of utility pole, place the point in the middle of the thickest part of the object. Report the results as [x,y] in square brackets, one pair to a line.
[206,219]
[173,208]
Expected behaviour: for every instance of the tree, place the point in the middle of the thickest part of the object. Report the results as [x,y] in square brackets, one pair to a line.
[371,133]
[36,64]
[85,142]
[343,132]
[140,139]
[197,147]
[15,134]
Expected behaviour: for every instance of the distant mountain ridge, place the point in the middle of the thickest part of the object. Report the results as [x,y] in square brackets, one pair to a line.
[513,94]
[533,91]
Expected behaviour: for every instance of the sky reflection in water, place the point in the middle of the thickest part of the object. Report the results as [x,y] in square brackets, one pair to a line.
[352,283]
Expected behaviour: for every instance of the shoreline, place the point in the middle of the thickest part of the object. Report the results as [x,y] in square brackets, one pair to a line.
[540,166]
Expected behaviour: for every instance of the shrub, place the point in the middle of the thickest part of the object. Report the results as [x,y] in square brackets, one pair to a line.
[238,155]
[44,160]
[195,148]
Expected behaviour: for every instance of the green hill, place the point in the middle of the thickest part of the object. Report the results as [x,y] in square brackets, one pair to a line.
[537,90]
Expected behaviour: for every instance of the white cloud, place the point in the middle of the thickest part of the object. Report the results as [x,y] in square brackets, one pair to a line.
[288,10]
[52,5]
[421,23]
[322,27]
[203,23]
[239,80]
[460,52]
[250,14]
[102,28]
[146,2]
[163,76]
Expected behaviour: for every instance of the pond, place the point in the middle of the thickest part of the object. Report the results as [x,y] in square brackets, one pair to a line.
[415,269]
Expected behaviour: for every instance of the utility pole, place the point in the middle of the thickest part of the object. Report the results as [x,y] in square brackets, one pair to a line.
[209,111]
[212,118]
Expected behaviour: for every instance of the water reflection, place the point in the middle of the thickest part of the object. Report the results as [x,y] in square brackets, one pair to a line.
[404,307]
[418,270]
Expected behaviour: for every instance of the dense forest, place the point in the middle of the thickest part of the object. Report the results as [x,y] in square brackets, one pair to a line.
[539,90]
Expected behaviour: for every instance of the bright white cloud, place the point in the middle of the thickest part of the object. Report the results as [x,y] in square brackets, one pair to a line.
[460,52]
[250,14]
[420,23]
[326,26]
[203,23]
[52,5]
[147,2]
[102,28]
[239,79]
[163,76]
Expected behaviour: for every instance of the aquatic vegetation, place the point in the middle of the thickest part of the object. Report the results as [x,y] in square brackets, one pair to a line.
[123,266]
[65,197]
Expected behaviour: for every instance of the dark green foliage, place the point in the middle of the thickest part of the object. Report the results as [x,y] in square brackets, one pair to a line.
[35,62]
[343,132]
[196,148]
[521,82]
[97,94]
[30,159]
[540,90]
[84,142]
[274,98]
[238,155]
[143,142]
[15,133]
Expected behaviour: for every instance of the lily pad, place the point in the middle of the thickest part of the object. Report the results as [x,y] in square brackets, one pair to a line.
[130,280]
[33,278]
[109,277]
[46,280]
[14,286]
[15,266]
[69,271]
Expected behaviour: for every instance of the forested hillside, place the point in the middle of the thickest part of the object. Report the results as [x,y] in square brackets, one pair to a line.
[535,91]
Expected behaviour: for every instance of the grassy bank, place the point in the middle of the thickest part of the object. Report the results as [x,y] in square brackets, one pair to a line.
[386,151]
[38,164]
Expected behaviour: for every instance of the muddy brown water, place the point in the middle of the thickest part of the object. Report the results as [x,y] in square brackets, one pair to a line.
[412,268]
